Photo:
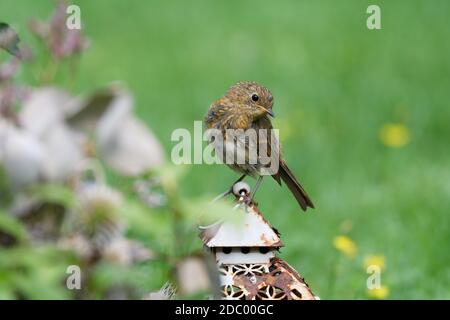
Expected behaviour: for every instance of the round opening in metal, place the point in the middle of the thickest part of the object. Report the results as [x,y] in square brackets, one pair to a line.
[226,250]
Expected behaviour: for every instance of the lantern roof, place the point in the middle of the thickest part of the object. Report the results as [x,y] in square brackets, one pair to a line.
[250,230]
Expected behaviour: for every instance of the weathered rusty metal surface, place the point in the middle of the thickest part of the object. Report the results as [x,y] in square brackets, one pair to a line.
[273,281]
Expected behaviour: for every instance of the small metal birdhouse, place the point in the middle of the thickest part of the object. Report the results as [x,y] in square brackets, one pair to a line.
[246,250]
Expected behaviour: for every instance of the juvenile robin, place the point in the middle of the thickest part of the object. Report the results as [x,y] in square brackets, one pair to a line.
[248,105]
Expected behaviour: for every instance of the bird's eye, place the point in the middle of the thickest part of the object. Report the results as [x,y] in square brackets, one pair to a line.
[255,97]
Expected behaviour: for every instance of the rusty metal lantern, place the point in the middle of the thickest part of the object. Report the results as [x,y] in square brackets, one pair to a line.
[246,256]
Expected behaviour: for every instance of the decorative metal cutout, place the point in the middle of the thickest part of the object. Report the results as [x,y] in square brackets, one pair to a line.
[243,269]
[271,293]
[273,281]
[231,292]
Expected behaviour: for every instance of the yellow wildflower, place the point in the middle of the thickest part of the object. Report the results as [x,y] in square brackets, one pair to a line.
[377,260]
[394,135]
[345,245]
[380,293]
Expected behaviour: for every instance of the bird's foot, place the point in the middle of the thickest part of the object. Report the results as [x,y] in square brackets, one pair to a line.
[248,201]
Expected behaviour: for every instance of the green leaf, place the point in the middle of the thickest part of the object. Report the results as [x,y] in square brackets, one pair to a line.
[203,211]
[169,176]
[34,272]
[55,193]
[12,226]
[143,278]
[147,223]
[6,293]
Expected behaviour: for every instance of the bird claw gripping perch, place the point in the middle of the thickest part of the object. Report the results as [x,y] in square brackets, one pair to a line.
[241,190]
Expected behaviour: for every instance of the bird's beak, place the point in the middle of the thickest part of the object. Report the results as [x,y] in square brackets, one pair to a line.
[268,111]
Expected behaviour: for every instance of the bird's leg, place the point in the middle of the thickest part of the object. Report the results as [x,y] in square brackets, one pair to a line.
[258,183]
[224,194]
[238,180]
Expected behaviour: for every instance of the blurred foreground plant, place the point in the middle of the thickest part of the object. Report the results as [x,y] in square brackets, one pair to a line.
[57,153]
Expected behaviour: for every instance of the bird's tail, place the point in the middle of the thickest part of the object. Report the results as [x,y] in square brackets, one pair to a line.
[297,190]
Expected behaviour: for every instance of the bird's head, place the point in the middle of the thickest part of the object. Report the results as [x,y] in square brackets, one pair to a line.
[256,99]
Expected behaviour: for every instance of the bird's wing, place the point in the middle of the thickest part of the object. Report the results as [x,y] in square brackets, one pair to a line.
[232,147]
[268,145]
[215,111]
[223,115]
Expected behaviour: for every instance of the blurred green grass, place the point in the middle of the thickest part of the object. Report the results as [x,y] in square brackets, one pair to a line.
[335,85]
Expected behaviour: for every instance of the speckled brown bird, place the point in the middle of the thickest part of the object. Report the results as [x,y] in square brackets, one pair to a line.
[248,105]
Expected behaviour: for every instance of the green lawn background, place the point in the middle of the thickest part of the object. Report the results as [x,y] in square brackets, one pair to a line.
[335,83]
